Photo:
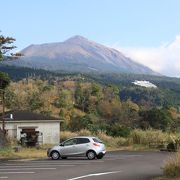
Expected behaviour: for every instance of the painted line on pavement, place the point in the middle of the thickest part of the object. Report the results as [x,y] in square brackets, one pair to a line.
[115,159]
[5,177]
[97,174]
[17,172]
[27,169]
[45,166]
[41,164]
[66,161]
[120,156]
[132,155]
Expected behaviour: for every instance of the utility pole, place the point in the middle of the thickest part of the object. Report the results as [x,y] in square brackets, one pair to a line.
[3,109]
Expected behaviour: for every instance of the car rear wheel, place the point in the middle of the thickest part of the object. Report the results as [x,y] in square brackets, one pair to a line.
[55,155]
[91,155]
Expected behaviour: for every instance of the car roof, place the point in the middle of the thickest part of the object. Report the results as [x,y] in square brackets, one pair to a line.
[82,137]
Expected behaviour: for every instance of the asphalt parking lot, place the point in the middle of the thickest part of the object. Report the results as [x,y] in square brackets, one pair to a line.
[115,165]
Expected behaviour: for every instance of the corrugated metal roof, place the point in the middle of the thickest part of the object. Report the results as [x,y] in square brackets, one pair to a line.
[26,115]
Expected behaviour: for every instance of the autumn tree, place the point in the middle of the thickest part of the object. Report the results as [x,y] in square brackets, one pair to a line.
[111,92]
[82,96]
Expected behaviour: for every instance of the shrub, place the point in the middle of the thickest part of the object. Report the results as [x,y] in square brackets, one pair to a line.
[157,118]
[118,130]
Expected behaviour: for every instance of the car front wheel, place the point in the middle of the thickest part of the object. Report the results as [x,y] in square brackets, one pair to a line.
[91,155]
[63,157]
[100,156]
[55,155]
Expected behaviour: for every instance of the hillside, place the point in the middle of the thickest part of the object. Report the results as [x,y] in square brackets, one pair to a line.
[79,54]
[83,103]
[166,93]
[107,102]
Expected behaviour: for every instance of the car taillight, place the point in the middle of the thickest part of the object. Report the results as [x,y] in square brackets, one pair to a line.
[95,144]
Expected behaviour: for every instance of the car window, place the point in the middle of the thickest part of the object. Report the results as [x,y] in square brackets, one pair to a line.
[70,142]
[82,140]
[97,140]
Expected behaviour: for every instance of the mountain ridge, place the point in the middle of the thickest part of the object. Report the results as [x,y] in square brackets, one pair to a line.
[79,54]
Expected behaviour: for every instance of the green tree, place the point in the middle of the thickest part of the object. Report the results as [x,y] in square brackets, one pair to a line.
[96,90]
[10,99]
[157,118]
[117,130]
[4,80]
[64,100]
[6,45]
[35,102]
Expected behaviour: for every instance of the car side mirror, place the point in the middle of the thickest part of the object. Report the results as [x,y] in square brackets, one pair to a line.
[61,144]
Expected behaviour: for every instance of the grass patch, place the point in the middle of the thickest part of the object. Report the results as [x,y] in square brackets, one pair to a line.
[149,136]
[172,166]
[31,153]
[23,153]
[6,152]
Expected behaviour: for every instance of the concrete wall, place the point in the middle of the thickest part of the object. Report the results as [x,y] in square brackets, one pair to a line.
[50,130]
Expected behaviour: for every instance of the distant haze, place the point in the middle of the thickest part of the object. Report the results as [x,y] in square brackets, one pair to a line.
[164,59]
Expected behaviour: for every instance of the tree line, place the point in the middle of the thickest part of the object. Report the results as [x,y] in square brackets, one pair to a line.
[89,105]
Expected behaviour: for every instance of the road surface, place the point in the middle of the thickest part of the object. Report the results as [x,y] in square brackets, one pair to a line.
[114,166]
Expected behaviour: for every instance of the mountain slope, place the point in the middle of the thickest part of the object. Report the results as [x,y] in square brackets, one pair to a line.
[78,54]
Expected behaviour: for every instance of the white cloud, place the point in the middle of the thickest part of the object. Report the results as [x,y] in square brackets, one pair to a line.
[164,59]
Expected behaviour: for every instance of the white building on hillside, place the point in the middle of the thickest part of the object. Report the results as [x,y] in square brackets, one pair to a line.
[146,84]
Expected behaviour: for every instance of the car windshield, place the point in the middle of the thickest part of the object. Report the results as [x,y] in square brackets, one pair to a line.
[70,142]
[97,140]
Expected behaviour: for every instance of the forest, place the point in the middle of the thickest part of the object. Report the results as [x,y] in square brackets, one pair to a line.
[85,103]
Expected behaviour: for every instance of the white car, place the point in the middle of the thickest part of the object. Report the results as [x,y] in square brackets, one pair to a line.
[90,147]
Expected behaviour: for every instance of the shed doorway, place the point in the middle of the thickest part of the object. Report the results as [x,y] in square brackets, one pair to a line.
[29,137]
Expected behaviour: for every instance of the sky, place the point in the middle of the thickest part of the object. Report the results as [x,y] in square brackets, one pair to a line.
[148,31]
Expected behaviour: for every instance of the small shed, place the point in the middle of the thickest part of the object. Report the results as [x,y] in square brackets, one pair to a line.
[32,128]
